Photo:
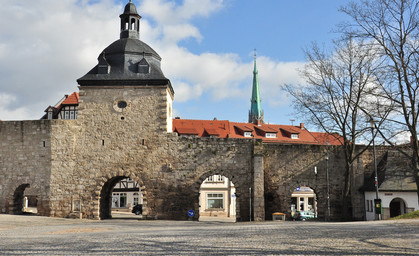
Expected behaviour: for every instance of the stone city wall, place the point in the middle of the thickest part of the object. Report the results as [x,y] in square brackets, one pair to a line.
[24,164]
[65,161]
[169,168]
[288,166]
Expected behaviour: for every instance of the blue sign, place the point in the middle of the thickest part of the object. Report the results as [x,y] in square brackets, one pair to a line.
[191,213]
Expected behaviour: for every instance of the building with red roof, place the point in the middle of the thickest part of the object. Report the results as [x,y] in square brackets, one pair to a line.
[269,133]
[66,108]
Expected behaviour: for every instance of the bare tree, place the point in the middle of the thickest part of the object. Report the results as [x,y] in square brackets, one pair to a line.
[393,27]
[336,87]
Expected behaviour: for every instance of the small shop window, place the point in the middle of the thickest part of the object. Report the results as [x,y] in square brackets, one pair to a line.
[215,201]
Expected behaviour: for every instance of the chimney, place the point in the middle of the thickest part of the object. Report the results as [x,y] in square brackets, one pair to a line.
[302,126]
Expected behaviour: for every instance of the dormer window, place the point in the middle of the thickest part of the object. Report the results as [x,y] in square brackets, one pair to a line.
[266,131]
[290,132]
[103,66]
[247,134]
[244,130]
[143,67]
[50,114]
[211,132]
[185,131]
[270,135]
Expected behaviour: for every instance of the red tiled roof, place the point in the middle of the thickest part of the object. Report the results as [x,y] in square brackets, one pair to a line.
[290,130]
[211,131]
[332,139]
[186,131]
[244,128]
[266,128]
[224,129]
[73,99]
[204,128]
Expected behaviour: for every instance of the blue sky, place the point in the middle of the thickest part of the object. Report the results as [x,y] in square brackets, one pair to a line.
[206,46]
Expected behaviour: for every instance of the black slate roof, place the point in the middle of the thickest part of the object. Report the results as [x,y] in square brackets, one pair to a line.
[128,61]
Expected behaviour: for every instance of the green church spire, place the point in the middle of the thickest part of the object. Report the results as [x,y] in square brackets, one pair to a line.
[256,112]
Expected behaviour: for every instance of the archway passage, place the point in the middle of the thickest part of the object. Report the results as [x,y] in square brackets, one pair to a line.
[397,207]
[217,199]
[303,203]
[24,202]
[120,195]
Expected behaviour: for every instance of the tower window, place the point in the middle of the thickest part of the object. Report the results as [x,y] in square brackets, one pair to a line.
[133,24]
[143,67]
[122,104]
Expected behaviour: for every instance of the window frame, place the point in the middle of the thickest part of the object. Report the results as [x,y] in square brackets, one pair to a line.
[215,196]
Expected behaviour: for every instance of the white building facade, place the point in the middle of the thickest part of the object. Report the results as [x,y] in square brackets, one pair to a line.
[217,198]
[393,203]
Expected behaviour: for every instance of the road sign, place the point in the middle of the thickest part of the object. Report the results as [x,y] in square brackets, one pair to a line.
[191,213]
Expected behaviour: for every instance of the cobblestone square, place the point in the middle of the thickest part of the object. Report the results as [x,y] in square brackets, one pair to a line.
[34,235]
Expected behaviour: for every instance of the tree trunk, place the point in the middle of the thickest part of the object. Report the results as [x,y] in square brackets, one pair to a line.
[346,197]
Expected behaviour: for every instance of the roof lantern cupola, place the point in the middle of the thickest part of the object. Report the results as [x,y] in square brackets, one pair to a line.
[256,112]
[128,61]
[130,22]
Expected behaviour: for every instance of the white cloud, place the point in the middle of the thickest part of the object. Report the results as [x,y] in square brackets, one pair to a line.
[175,33]
[274,74]
[46,45]
[19,113]
[185,91]
[44,50]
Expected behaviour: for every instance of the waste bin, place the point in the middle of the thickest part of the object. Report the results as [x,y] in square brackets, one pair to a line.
[278,216]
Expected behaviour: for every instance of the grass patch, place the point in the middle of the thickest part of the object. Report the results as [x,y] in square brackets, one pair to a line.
[410,215]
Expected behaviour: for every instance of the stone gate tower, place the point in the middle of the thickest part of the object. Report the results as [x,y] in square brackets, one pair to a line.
[125,106]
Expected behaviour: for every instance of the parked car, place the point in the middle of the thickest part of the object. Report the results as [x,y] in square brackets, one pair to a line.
[304,215]
[138,209]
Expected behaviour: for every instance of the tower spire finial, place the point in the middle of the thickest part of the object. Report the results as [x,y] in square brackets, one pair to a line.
[256,112]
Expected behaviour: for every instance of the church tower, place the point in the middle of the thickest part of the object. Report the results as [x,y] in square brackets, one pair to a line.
[256,112]
[127,86]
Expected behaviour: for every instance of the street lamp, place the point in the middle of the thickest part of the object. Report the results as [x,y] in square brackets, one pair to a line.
[377,200]
[327,182]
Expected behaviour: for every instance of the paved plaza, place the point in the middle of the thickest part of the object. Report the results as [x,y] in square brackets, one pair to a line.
[34,235]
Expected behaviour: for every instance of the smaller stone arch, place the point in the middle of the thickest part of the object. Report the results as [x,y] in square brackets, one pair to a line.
[397,207]
[105,187]
[221,188]
[303,198]
[19,199]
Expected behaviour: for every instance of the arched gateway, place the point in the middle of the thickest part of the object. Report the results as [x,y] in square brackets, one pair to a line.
[19,200]
[106,203]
